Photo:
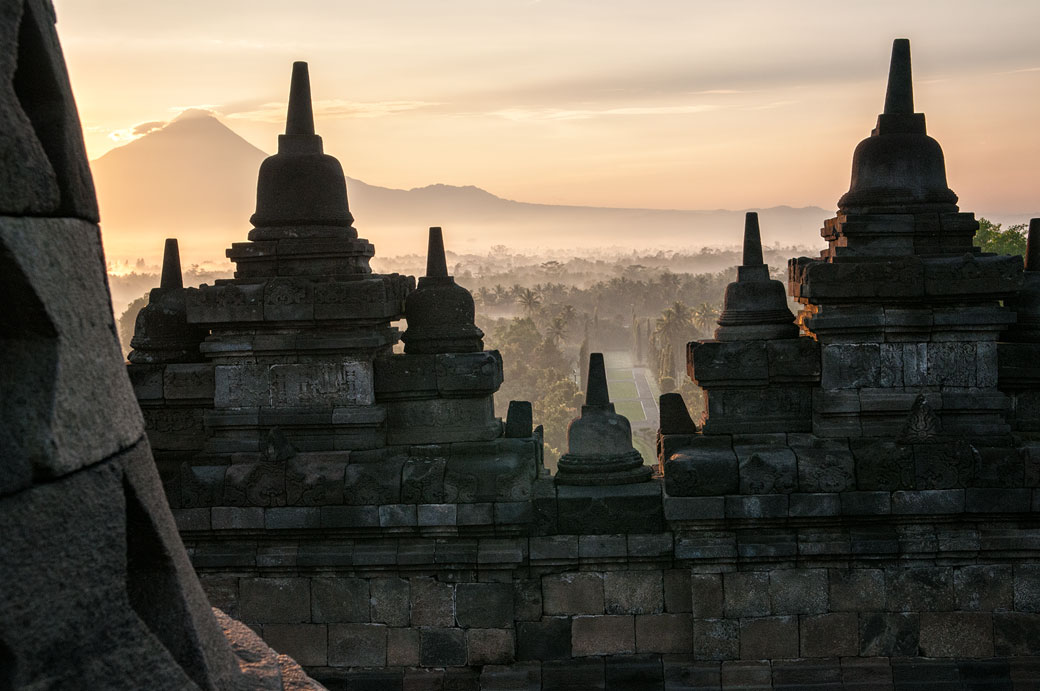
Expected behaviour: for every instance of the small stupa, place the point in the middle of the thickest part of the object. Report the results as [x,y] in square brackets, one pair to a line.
[755,306]
[161,332]
[599,443]
[440,312]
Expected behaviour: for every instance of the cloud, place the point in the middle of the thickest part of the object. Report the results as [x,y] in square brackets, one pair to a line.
[146,127]
[587,114]
[328,109]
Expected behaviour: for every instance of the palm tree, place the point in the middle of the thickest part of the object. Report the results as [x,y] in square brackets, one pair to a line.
[704,316]
[529,300]
[557,330]
[673,326]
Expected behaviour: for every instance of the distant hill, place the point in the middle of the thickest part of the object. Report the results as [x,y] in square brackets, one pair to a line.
[195,179]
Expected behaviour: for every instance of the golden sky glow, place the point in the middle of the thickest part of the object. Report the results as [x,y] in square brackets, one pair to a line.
[678,104]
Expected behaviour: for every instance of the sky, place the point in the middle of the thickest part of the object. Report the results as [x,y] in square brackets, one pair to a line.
[660,104]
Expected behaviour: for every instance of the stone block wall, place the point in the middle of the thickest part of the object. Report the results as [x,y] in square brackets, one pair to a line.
[774,589]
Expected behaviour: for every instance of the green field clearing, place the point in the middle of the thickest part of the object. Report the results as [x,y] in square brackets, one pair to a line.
[630,409]
[623,389]
[619,374]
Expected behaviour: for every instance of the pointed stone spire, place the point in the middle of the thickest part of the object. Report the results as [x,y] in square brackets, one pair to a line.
[171,266]
[596,393]
[898,168]
[675,416]
[436,264]
[752,240]
[300,117]
[755,306]
[161,331]
[300,186]
[599,443]
[440,313]
[899,99]
[1033,245]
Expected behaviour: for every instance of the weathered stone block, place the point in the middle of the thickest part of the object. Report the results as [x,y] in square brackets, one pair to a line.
[402,647]
[746,594]
[1015,633]
[829,635]
[469,373]
[765,470]
[746,674]
[850,365]
[919,589]
[984,588]
[634,672]
[678,594]
[823,504]
[694,508]
[883,466]
[388,601]
[768,637]
[489,646]
[422,480]
[956,634]
[484,605]
[889,634]
[527,599]
[372,484]
[707,599]
[514,677]
[442,647]
[306,643]
[433,603]
[357,645]
[798,591]
[573,674]
[188,381]
[825,470]
[664,633]
[292,517]
[602,635]
[275,600]
[1027,588]
[339,600]
[929,501]
[855,590]
[633,592]
[547,639]
[716,639]
[757,506]
[573,593]
[708,469]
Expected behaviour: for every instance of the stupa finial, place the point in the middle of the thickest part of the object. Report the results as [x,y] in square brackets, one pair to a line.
[171,266]
[436,264]
[899,99]
[752,240]
[300,117]
[596,393]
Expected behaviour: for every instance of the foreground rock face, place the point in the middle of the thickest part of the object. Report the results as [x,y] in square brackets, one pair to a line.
[97,590]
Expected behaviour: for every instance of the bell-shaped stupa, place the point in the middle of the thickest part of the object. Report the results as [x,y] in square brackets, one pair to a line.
[440,312]
[898,165]
[162,333]
[599,443]
[755,306]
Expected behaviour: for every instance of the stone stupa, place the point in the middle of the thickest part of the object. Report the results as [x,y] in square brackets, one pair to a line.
[599,443]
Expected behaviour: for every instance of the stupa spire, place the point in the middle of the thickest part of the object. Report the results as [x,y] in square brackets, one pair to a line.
[300,116]
[171,266]
[436,264]
[596,393]
[899,99]
[752,240]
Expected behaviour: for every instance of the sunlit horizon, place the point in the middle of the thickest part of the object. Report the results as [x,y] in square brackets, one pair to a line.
[670,105]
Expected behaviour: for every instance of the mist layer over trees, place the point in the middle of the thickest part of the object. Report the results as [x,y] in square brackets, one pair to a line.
[547,312]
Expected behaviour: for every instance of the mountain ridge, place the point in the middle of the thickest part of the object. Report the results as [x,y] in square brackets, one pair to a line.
[195,178]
